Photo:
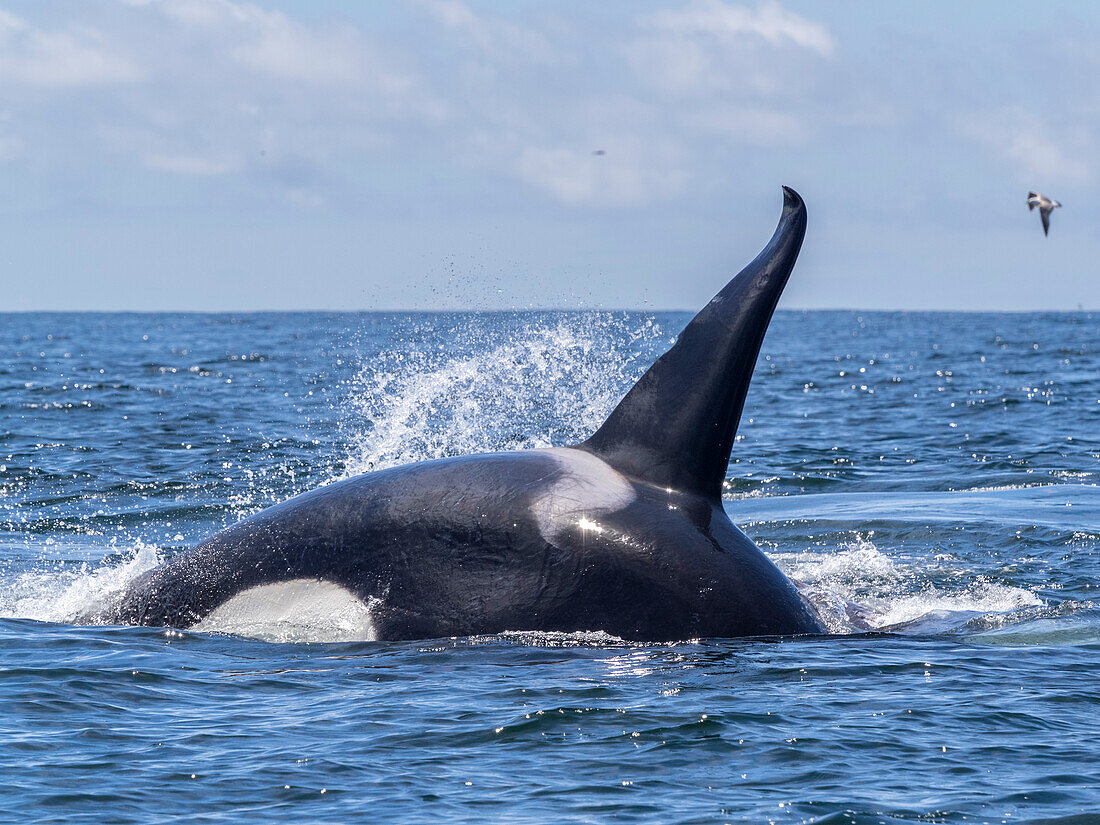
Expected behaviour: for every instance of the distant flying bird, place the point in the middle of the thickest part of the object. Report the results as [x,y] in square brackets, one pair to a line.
[1046,206]
[599,152]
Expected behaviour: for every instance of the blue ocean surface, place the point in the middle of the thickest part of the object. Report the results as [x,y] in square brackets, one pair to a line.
[929,479]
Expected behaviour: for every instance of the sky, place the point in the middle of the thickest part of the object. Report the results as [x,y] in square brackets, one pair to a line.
[229,156]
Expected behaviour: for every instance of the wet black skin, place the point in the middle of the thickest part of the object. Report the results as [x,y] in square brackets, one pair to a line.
[453,548]
[624,533]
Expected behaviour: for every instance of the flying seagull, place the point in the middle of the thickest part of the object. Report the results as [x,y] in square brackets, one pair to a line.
[1046,206]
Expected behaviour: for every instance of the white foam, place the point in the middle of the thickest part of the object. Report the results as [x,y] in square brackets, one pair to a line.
[861,588]
[855,564]
[74,594]
[551,638]
[298,610]
[980,598]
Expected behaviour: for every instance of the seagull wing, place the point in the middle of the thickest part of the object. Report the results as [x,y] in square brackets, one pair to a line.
[1044,213]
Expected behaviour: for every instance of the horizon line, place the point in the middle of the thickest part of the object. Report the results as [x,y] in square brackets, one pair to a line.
[487,310]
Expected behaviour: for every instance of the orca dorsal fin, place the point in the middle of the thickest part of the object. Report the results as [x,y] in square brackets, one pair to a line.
[676,426]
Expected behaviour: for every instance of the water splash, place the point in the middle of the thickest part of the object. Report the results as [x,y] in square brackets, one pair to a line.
[74,593]
[859,588]
[544,382]
[933,609]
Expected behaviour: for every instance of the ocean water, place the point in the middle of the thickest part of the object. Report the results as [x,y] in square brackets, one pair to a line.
[930,480]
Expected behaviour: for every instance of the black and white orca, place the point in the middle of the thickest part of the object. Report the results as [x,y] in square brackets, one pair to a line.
[624,533]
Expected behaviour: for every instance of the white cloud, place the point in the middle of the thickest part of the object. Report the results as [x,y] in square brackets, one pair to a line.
[492,36]
[283,50]
[59,58]
[453,13]
[287,102]
[1039,150]
[1039,156]
[273,43]
[732,24]
[628,173]
[235,89]
[734,72]
[723,74]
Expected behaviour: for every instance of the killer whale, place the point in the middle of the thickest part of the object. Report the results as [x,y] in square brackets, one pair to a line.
[623,533]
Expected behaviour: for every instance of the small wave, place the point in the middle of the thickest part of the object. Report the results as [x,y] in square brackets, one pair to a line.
[933,609]
[1068,623]
[860,588]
